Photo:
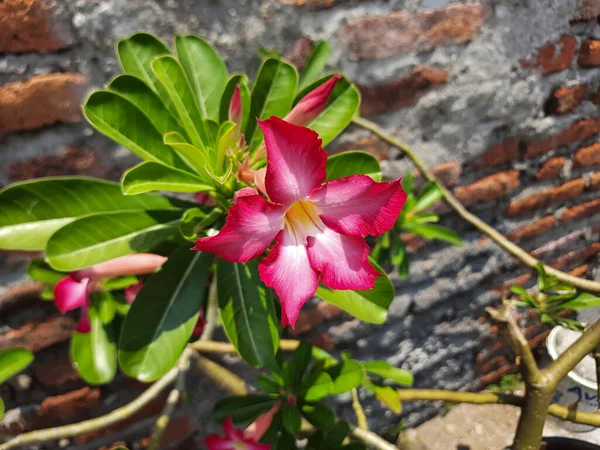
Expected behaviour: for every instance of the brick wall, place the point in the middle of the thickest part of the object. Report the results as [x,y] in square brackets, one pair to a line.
[500,98]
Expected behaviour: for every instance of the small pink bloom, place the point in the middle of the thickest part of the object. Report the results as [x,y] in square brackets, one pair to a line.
[136,264]
[233,440]
[132,291]
[69,295]
[200,324]
[235,107]
[312,103]
[318,228]
[203,198]
[259,427]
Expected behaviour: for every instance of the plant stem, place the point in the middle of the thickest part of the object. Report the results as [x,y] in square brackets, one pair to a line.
[118,415]
[596,356]
[533,416]
[476,398]
[372,439]
[454,203]
[286,345]
[361,418]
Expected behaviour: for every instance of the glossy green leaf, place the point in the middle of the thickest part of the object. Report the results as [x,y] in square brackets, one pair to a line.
[33,210]
[118,283]
[337,115]
[319,415]
[2,408]
[13,361]
[105,306]
[315,63]
[353,163]
[120,120]
[292,420]
[243,408]
[152,176]
[173,78]
[195,158]
[369,306]
[195,220]
[235,79]
[206,71]
[335,436]
[320,387]
[147,101]
[346,375]
[582,301]
[135,55]
[272,95]
[301,359]
[99,237]
[267,384]
[433,232]
[389,372]
[389,397]
[408,182]
[40,271]
[430,194]
[162,318]
[94,354]
[247,311]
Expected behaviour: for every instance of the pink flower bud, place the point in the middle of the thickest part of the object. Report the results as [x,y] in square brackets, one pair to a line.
[235,107]
[312,103]
[136,264]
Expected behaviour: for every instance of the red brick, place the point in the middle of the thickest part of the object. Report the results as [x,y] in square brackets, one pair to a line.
[26,26]
[448,173]
[413,242]
[380,37]
[372,145]
[555,56]
[568,191]
[595,181]
[520,280]
[402,93]
[594,97]
[589,10]
[489,188]
[500,153]
[312,4]
[575,257]
[551,168]
[578,131]
[589,54]
[492,377]
[587,156]
[20,294]
[68,406]
[565,99]
[41,100]
[579,271]
[55,373]
[533,229]
[580,211]
[299,52]
[39,335]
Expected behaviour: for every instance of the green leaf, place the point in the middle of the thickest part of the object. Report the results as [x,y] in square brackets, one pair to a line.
[319,388]
[319,415]
[13,361]
[346,375]
[408,182]
[193,157]
[301,359]
[99,237]
[105,306]
[433,232]
[315,63]
[582,301]
[542,277]
[389,372]
[118,283]
[94,354]
[40,271]
[267,384]
[205,70]
[430,194]
[195,220]
[337,115]
[389,397]
[152,176]
[120,120]
[272,95]
[243,408]
[285,441]
[162,318]
[242,80]
[33,210]
[369,306]
[335,436]
[173,78]
[247,311]
[147,101]
[135,55]
[2,408]
[353,163]
[292,420]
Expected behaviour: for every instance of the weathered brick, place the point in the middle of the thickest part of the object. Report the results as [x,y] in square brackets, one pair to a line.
[448,173]
[55,373]
[578,131]
[27,26]
[371,144]
[575,257]
[533,229]
[402,31]
[589,54]
[401,93]
[312,4]
[589,10]
[565,99]
[595,181]
[579,271]
[299,52]
[551,168]
[500,153]
[580,211]
[68,406]
[41,100]
[489,188]
[555,56]
[568,191]
[587,156]
[36,336]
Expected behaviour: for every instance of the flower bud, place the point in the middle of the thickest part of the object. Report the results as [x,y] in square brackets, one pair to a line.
[235,107]
[312,103]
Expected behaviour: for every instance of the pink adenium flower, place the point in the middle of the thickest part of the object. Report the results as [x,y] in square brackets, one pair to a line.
[259,427]
[313,103]
[318,228]
[69,295]
[235,107]
[234,439]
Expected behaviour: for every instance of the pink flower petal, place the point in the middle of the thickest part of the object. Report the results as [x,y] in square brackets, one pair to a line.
[245,192]
[136,264]
[288,271]
[132,291]
[295,161]
[262,423]
[230,430]
[216,442]
[356,205]
[313,103]
[250,227]
[235,107]
[341,260]
[200,324]
[252,445]
[70,294]
[84,325]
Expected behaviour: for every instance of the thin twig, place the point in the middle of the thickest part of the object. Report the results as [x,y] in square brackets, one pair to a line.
[361,418]
[476,398]
[75,429]
[454,203]
[228,348]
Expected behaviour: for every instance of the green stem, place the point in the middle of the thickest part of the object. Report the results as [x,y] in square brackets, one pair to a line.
[361,418]
[533,416]
[454,203]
